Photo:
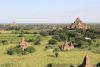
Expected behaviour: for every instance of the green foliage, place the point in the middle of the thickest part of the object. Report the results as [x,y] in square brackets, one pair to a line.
[52,41]
[13,32]
[63,36]
[96,51]
[5,42]
[37,42]
[54,32]
[19,51]
[22,31]
[56,54]
[30,49]
[20,35]
[31,40]
[56,50]
[50,65]
[26,32]
[44,33]
[89,48]
[98,64]
[35,33]
[70,39]
[71,34]
[57,37]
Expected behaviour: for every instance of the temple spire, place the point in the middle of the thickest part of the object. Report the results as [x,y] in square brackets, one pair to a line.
[23,39]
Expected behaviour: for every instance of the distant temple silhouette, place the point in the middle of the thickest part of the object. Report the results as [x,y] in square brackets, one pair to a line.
[78,24]
[14,24]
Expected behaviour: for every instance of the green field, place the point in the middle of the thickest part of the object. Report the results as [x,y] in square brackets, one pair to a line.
[41,58]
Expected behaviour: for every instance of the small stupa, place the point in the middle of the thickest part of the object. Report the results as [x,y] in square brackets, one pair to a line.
[71,45]
[86,62]
[66,46]
[14,24]
[23,45]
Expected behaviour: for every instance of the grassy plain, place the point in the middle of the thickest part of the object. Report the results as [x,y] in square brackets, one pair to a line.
[41,58]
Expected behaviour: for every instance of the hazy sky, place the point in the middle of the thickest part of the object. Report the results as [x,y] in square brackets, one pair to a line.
[49,11]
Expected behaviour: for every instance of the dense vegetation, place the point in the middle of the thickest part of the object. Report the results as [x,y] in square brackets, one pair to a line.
[50,39]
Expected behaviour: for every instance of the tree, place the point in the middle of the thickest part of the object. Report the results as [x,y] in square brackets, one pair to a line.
[56,50]
[22,31]
[63,37]
[52,41]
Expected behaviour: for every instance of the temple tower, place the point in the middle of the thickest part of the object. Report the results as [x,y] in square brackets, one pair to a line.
[86,62]
[23,45]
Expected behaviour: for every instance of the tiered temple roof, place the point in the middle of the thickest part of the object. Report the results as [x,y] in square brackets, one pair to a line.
[78,24]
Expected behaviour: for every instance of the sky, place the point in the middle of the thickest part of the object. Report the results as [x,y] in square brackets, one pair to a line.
[49,11]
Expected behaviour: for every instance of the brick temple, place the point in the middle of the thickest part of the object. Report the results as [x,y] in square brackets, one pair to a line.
[23,45]
[78,24]
[86,62]
[66,46]
[14,24]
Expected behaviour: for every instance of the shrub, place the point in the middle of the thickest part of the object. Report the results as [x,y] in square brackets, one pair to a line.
[20,35]
[5,42]
[26,32]
[98,64]
[89,48]
[54,32]
[16,32]
[56,54]
[44,33]
[30,49]
[35,33]
[50,65]
[52,41]
[63,37]
[31,40]
[57,37]
[11,51]
[37,42]
[19,51]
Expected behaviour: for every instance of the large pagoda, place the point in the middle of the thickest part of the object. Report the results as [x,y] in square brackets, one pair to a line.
[78,24]
[14,24]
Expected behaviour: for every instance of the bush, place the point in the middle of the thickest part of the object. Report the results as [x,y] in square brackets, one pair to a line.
[35,33]
[56,54]
[50,65]
[98,64]
[44,33]
[52,41]
[63,37]
[57,37]
[26,32]
[5,42]
[37,42]
[19,51]
[31,40]
[20,35]
[30,49]
[89,48]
